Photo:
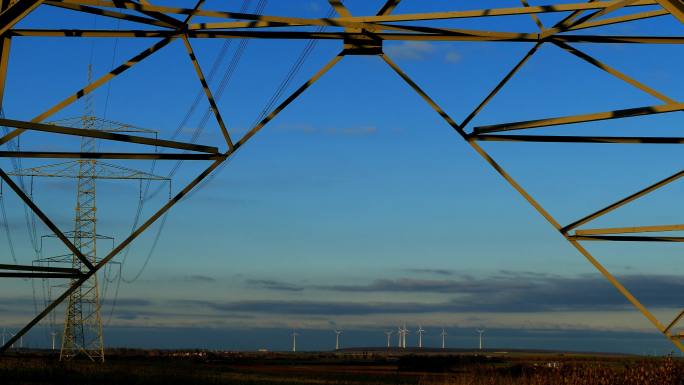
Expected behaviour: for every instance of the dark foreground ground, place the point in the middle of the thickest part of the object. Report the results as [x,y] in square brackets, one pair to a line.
[349,367]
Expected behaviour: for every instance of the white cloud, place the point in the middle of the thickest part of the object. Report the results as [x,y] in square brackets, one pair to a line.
[421,50]
[410,50]
[452,57]
[361,130]
[350,131]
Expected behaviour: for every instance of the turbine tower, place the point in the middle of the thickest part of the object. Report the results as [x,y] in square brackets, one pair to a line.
[402,332]
[389,337]
[443,335]
[405,334]
[337,339]
[420,332]
[53,334]
[294,341]
[481,332]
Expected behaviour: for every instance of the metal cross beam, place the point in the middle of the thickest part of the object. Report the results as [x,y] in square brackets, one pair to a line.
[675,7]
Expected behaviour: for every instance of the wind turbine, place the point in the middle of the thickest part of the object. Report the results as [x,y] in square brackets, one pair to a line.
[400,336]
[420,332]
[389,336]
[337,339]
[443,334]
[481,331]
[21,340]
[404,332]
[53,334]
[294,340]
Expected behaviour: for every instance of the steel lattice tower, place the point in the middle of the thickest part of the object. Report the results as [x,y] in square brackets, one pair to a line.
[83,330]
[83,322]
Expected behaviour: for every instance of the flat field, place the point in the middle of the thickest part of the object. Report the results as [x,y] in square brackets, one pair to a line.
[349,367]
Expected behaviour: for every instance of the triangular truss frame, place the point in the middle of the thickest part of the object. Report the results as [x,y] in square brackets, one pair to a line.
[360,35]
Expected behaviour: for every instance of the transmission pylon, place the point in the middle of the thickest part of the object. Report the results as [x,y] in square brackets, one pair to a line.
[83,321]
[82,333]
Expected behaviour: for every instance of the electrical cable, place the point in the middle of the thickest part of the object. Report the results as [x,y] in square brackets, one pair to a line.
[8,232]
[107,270]
[230,70]
[277,95]
[198,98]
[228,74]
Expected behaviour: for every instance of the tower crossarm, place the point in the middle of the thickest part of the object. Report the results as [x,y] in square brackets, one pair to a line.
[102,124]
[101,171]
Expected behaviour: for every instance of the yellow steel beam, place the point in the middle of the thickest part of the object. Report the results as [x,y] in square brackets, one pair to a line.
[496,12]
[91,87]
[628,230]
[675,7]
[620,39]
[44,218]
[45,269]
[568,20]
[207,92]
[5,45]
[624,291]
[25,271]
[619,19]
[535,18]
[625,238]
[101,33]
[619,4]
[578,139]
[500,85]
[564,26]
[474,145]
[108,13]
[624,201]
[40,275]
[290,99]
[388,7]
[423,95]
[107,155]
[189,17]
[15,12]
[99,134]
[448,35]
[616,114]
[434,35]
[340,8]
[453,35]
[675,321]
[616,73]
[381,18]
[278,21]
[162,17]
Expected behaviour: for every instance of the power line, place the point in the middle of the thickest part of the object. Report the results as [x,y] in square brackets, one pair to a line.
[228,74]
[292,73]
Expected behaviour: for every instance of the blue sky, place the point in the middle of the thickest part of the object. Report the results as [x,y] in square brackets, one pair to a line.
[358,207]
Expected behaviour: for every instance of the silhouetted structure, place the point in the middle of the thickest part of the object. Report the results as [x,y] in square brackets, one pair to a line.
[358,35]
